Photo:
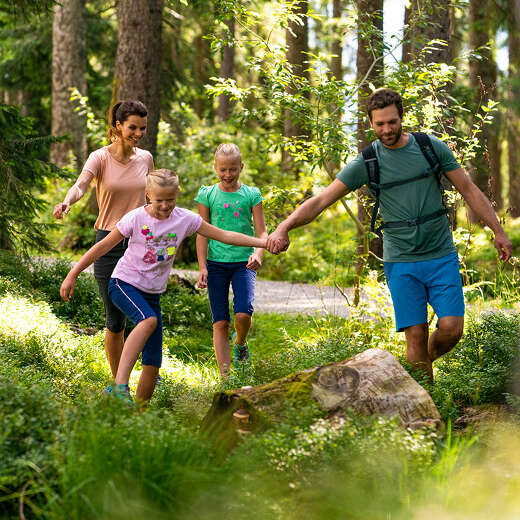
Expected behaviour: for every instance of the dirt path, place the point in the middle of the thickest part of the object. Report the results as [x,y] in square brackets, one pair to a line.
[293,298]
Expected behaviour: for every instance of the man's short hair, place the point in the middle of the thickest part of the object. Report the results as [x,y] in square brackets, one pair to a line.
[382,98]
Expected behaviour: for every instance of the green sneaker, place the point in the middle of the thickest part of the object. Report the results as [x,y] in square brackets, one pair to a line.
[241,352]
[120,392]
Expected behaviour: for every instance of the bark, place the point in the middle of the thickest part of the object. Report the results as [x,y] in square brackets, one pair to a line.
[513,113]
[336,65]
[370,49]
[227,72]
[482,78]
[138,59]
[428,20]
[68,71]
[370,383]
[297,45]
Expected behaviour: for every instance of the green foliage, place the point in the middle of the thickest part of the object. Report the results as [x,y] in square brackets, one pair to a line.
[23,172]
[480,369]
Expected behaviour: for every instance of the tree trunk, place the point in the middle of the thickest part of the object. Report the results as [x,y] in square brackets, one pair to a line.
[297,45]
[428,20]
[513,113]
[482,78]
[68,71]
[227,72]
[138,60]
[371,383]
[336,49]
[369,51]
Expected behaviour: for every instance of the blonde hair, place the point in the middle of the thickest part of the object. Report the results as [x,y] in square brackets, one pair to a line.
[163,178]
[228,149]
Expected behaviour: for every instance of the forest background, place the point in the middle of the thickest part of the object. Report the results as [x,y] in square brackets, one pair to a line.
[286,81]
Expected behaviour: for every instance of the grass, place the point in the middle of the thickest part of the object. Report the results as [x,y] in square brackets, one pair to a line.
[66,453]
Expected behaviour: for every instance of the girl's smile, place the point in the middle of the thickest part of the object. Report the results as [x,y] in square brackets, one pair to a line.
[162,201]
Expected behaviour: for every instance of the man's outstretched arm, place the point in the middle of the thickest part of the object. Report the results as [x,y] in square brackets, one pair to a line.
[479,203]
[278,240]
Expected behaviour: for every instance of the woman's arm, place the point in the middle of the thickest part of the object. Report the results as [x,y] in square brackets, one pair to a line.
[229,237]
[74,194]
[97,250]
[202,250]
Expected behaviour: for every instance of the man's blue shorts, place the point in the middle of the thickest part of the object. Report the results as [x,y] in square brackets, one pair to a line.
[415,284]
[242,279]
[138,306]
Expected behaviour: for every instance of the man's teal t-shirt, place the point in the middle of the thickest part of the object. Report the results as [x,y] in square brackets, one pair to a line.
[427,241]
[231,211]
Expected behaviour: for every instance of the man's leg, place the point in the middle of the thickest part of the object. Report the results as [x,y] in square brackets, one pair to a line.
[417,348]
[446,336]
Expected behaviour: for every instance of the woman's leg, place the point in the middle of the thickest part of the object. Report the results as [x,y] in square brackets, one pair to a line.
[114,342]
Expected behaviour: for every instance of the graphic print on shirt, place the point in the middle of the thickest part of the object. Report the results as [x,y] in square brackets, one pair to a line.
[235,209]
[159,248]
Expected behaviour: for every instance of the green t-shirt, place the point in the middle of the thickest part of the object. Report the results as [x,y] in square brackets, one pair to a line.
[233,212]
[426,241]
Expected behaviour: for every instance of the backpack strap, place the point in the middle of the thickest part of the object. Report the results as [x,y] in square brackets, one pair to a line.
[372,166]
[428,151]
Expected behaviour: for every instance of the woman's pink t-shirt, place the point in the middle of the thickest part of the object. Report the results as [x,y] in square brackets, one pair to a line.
[148,260]
[120,187]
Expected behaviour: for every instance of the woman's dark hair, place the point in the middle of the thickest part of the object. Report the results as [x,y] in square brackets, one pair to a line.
[121,111]
[382,98]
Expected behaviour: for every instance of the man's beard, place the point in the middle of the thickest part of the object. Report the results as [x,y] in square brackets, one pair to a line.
[395,139]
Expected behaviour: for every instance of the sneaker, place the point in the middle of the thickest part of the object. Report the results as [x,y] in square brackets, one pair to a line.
[158,380]
[241,352]
[120,392]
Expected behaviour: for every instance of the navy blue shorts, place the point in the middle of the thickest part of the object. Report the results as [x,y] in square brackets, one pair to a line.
[415,284]
[242,279]
[138,306]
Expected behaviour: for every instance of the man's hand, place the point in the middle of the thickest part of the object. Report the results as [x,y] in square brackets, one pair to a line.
[255,262]
[67,287]
[60,209]
[202,281]
[503,246]
[278,241]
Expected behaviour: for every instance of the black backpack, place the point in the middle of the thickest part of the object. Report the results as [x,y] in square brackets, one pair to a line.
[372,166]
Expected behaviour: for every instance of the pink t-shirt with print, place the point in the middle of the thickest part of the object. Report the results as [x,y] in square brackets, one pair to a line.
[120,188]
[148,260]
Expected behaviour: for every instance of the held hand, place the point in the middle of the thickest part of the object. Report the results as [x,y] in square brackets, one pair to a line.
[503,246]
[67,287]
[255,262]
[60,209]
[202,281]
[277,242]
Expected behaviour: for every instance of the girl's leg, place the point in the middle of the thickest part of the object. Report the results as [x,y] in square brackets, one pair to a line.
[242,326]
[147,382]
[243,282]
[221,345]
[219,278]
[134,345]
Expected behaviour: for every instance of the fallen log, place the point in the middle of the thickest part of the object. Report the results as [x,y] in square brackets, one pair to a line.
[370,383]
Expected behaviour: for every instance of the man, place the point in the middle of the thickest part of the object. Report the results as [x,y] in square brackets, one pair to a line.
[420,261]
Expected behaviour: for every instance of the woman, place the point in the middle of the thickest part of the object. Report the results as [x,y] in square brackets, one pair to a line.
[120,170]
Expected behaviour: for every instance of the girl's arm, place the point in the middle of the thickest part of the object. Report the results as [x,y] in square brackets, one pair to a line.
[97,250]
[255,260]
[229,237]
[202,250]
[74,194]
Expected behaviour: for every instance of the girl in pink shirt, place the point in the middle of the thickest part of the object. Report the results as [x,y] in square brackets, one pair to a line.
[119,170]
[155,231]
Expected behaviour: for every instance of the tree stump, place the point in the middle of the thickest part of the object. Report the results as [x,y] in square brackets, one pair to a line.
[370,383]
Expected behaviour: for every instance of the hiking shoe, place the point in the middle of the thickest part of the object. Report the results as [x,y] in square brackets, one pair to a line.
[241,352]
[120,392]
